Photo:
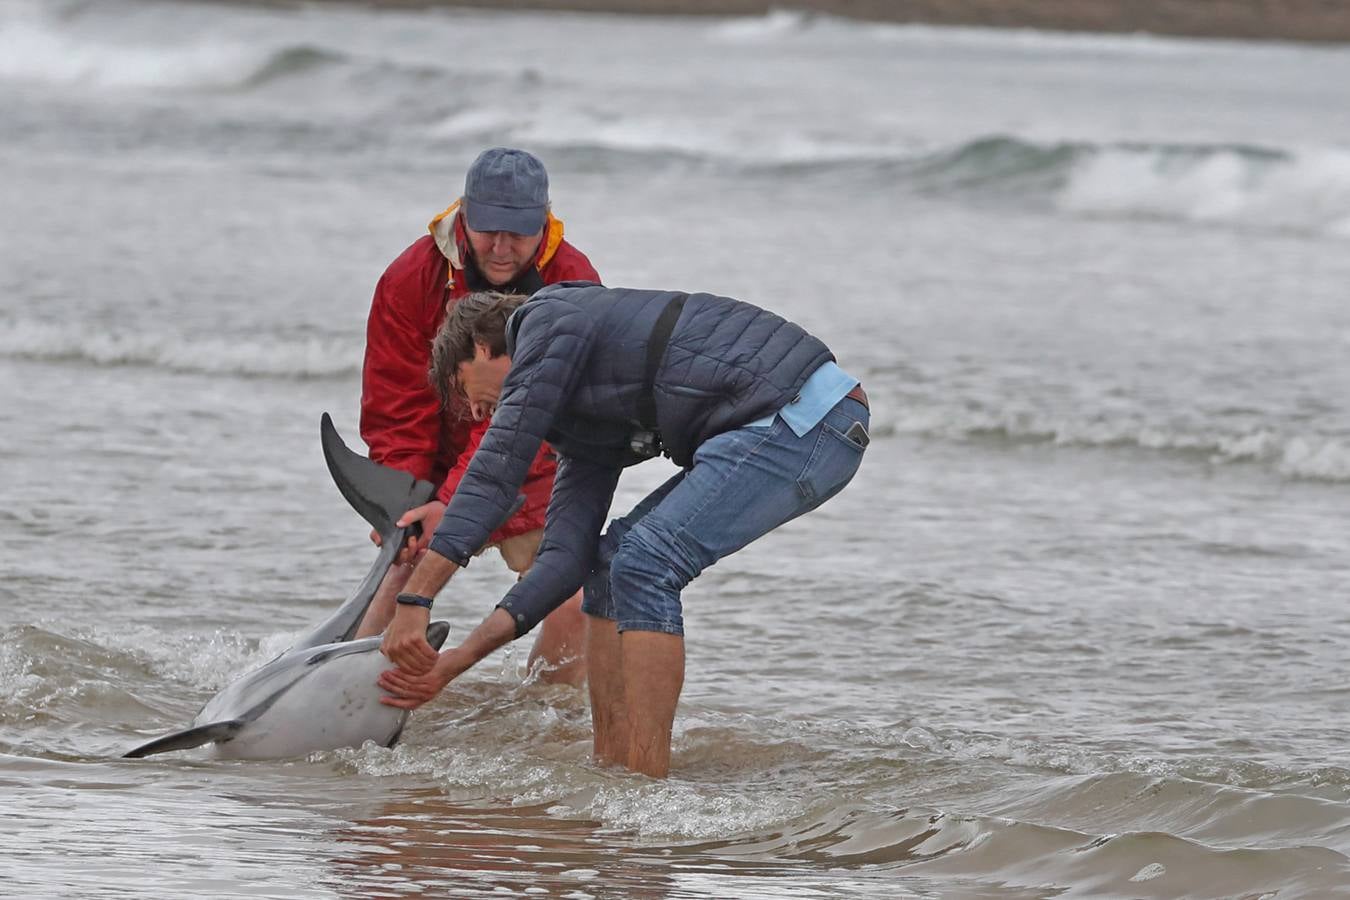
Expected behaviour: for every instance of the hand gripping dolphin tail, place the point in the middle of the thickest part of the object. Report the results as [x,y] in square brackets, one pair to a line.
[320,694]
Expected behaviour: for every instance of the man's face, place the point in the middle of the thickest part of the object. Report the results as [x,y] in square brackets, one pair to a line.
[480,380]
[502,255]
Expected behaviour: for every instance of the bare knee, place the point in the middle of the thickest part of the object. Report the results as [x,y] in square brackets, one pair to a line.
[561,645]
[520,550]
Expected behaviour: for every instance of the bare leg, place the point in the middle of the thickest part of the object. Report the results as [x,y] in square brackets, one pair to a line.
[653,675]
[561,643]
[381,610]
[608,716]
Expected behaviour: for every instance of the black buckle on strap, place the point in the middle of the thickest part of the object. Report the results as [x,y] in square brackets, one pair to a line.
[646,440]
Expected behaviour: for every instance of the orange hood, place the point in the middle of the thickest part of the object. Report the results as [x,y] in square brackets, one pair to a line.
[448,231]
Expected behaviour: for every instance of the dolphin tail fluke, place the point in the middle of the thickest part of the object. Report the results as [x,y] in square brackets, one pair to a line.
[186,740]
[380,494]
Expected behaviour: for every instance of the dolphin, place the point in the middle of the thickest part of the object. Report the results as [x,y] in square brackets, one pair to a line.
[320,694]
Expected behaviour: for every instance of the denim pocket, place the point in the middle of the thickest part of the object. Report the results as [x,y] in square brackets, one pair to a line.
[833,462]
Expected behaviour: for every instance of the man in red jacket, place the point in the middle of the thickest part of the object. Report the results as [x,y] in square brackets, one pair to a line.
[500,235]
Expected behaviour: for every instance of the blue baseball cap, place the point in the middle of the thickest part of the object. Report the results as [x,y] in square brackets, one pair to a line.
[506,190]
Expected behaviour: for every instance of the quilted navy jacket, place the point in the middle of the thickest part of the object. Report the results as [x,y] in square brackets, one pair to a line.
[578,367]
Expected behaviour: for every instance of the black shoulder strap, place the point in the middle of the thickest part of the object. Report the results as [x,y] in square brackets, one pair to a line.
[656,349]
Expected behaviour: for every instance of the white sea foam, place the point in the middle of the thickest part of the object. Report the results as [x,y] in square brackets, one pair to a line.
[34,47]
[17,680]
[1296,190]
[1302,456]
[206,661]
[476,122]
[310,357]
[687,811]
[779,25]
[774,24]
[733,143]
[1323,459]
[1266,187]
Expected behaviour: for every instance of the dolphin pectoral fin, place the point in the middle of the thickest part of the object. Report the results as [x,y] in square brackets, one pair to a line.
[437,632]
[186,740]
[342,648]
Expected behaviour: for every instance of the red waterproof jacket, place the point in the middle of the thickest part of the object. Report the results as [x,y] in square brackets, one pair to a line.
[401,417]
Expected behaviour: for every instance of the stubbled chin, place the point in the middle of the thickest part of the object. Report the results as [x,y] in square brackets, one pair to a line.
[500,275]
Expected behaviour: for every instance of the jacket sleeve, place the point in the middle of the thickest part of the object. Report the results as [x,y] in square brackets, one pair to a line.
[582,494]
[400,413]
[551,348]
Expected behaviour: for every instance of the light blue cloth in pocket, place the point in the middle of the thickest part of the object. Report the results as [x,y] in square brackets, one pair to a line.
[744,483]
[827,386]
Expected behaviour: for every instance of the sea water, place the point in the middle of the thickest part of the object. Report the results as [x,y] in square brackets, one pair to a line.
[1078,628]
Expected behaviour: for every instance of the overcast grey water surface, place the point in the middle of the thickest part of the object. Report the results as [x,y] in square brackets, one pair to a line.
[1079,627]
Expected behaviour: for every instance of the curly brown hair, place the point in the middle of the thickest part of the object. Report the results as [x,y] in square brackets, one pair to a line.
[474,319]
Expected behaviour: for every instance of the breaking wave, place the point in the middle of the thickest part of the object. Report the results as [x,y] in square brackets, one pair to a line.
[782,26]
[1306,190]
[1308,456]
[1301,189]
[32,53]
[39,47]
[275,357]
[291,61]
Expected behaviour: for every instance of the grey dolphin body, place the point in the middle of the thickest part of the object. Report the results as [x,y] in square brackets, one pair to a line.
[320,694]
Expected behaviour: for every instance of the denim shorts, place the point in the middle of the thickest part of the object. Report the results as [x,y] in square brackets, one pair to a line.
[742,485]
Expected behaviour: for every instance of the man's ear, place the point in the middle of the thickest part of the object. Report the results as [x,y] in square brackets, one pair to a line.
[482,350]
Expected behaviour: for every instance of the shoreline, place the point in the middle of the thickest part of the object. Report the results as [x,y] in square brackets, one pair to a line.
[1309,21]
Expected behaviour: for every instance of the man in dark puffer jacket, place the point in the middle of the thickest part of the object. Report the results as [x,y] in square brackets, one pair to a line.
[763,422]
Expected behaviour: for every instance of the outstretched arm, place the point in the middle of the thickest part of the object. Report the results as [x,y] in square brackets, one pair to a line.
[405,641]
[582,494]
[409,691]
[581,499]
[549,353]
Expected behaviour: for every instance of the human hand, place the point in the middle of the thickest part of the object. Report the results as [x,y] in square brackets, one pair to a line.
[405,641]
[428,516]
[408,691]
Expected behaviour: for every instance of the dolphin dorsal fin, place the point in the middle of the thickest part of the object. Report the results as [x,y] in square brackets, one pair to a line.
[380,494]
